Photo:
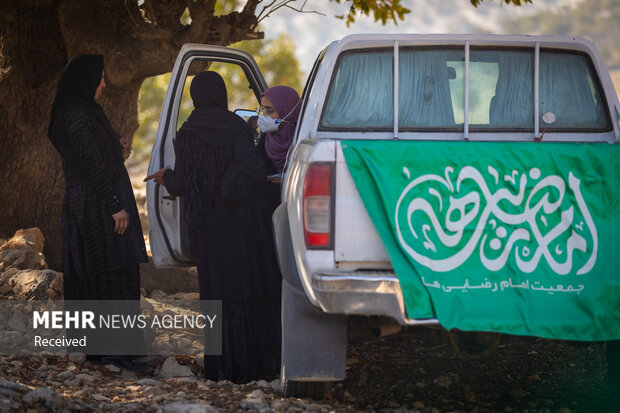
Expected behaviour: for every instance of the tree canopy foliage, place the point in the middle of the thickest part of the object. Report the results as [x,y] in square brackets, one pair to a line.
[476,3]
[383,10]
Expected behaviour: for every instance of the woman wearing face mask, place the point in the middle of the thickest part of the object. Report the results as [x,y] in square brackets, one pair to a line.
[279,109]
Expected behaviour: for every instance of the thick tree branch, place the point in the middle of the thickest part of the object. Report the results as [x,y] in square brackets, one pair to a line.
[164,13]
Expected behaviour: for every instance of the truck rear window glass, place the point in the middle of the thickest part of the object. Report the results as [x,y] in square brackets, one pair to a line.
[569,94]
[362,92]
[431,91]
[501,90]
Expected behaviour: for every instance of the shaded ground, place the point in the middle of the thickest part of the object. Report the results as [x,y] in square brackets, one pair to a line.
[418,369]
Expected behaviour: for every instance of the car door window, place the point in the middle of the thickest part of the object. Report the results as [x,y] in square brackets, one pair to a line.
[240,95]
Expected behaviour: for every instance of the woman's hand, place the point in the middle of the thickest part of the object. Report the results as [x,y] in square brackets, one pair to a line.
[158,177]
[121,221]
[125,147]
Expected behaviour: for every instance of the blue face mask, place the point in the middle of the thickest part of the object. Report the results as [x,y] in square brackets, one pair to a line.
[267,124]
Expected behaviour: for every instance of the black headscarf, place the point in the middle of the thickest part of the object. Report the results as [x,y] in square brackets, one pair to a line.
[76,89]
[208,92]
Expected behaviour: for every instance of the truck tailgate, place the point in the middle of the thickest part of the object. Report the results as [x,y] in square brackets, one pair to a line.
[356,239]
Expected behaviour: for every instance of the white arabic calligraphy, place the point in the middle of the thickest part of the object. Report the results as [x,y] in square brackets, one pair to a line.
[482,205]
[504,285]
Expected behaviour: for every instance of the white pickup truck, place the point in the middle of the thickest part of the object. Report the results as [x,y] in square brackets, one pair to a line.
[456,117]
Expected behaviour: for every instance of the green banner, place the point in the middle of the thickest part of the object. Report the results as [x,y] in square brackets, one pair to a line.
[518,238]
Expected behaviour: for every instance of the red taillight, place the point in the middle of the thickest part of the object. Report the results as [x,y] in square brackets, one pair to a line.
[317,206]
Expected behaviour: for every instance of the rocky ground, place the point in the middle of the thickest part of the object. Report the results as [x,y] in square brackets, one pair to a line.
[415,370]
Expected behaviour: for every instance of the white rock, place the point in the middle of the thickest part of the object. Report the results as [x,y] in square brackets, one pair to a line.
[66,375]
[13,386]
[42,397]
[255,400]
[85,392]
[86,378]
[280,406]
[34,283]
[112,368]
[76,357]
[275,385]
[126,374]
[172,368]
[262,383]
[149,382]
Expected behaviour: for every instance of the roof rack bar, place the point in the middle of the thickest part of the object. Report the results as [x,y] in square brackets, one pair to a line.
[395,89]
[536,91]
[466,120]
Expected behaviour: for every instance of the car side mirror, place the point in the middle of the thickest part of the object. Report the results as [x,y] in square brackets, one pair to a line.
[245,113]
[251,118]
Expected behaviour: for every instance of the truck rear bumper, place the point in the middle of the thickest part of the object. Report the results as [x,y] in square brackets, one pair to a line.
[363,293]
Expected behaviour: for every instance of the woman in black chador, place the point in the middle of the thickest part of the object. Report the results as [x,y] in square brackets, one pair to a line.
[220,174]
[102,243]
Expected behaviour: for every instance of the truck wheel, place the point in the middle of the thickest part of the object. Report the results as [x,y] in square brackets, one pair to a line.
[311,389]
[613,370]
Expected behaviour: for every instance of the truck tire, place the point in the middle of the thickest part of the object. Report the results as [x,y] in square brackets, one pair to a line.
[613,370]
[305,389]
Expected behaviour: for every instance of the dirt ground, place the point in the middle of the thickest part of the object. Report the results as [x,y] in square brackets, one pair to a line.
[419,369]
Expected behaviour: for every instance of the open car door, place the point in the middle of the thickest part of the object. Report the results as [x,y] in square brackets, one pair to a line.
[170,245]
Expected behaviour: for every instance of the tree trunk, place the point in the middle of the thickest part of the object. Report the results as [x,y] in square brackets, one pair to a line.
[37,38]
[31,187]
